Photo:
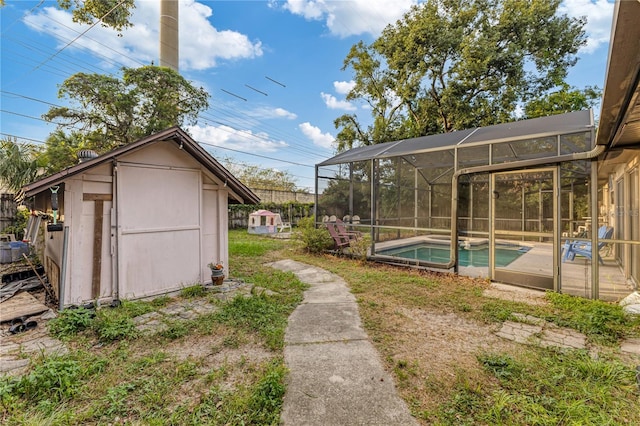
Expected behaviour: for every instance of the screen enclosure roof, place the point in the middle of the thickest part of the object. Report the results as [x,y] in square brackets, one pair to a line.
[560,124]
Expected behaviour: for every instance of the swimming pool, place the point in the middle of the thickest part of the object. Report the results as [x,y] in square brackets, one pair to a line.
[472,256]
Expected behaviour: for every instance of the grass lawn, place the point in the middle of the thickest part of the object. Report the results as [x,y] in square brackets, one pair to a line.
[434,332]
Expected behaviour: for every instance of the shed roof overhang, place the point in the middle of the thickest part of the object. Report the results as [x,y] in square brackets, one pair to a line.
[238,193]
[619,125]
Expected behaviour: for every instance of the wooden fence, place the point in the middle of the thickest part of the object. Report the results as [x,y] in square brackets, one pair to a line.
[8,208]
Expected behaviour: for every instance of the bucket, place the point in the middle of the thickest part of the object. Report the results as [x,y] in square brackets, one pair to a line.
[5,252]
[17,249]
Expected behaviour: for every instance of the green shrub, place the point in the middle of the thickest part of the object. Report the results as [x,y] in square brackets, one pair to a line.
[360,247]
[314,240]
[114,324]
[70,322]
[21,219]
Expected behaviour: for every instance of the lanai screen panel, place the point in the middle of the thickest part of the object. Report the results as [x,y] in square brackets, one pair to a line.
[410,181]
[345,190]
[473,205]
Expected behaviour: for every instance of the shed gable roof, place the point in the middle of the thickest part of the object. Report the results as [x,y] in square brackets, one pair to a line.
[175,134]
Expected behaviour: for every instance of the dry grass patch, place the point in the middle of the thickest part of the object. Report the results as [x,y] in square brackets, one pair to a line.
[435,333]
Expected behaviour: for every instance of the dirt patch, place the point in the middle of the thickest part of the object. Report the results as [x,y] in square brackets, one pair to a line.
[217,364]
[214,350]
[434,352]
[447,340]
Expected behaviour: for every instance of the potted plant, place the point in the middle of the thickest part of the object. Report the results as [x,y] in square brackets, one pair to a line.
[217,272]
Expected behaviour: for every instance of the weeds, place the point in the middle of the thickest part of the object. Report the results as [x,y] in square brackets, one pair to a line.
[114,324]
[262,314]
[53,380]
[602,322]
[193,291]
[175,329]
[265,401]
[553,387]
[70,322]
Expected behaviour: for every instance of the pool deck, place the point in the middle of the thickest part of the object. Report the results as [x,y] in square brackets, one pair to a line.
[575,275]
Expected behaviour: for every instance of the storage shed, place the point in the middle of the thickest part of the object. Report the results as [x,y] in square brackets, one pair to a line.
[142,220]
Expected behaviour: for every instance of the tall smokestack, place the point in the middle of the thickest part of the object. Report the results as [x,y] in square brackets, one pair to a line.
[169,34]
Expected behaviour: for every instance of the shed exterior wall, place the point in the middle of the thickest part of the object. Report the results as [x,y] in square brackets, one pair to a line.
[164,222]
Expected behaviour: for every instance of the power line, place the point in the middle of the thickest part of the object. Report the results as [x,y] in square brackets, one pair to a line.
[27,116]
[277,82]
[27,13]
[242,133]
[29,98]
[201,143]
[22,137]
[71,42]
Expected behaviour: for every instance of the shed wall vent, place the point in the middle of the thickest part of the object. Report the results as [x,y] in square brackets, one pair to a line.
[86,155]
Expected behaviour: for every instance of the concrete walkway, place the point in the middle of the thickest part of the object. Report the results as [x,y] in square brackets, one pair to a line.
[335,374]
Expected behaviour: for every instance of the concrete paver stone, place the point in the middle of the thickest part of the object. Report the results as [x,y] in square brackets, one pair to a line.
[537,331]
[631,346]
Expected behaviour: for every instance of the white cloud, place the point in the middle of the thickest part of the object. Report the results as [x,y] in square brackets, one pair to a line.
[353,17]
[599,14]
[343,87]
[242,140]
[324,140]
[333,103]
[201,46]
[269,112]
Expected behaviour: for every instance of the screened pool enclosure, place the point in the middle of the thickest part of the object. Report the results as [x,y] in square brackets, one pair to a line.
[507,202]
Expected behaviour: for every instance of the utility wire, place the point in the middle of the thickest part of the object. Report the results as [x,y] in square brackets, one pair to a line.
[71,42]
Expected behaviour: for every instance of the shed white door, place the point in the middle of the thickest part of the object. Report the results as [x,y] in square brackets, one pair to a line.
[159,221]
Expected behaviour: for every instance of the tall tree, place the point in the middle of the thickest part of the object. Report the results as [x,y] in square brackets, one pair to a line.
[454,64]
[111,112]
[257,177]
[566,99]
[19,164]
[112,13]
[61,150]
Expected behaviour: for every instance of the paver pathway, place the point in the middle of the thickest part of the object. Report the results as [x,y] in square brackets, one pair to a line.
[335,374]
[16,351]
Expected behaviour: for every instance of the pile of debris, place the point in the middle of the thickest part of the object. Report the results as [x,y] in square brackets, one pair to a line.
[24,293]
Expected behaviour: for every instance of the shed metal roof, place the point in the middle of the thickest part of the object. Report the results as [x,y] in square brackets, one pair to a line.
[573,122]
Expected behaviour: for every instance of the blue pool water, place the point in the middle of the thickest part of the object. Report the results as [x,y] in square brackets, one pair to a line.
[475,256]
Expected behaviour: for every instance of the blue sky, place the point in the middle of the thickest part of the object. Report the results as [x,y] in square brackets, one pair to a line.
[228,46]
